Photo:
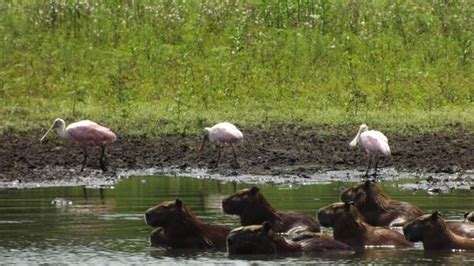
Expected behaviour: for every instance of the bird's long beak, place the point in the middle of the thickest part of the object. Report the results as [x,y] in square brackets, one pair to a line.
[44,136]
[354,141]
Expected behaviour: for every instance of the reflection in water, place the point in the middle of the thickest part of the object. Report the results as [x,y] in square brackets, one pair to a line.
[106,225]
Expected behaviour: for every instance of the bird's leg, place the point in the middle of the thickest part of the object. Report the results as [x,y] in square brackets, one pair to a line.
[236,164]
[368,167]
[102,160]
[85,158]
[218,155]
[376,161]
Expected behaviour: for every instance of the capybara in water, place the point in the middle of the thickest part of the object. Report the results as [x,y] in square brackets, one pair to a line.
[350,228]
[432,230]
[377,208]
[462,229]
[181,229]
[465,228]
[253,208]
[261,239]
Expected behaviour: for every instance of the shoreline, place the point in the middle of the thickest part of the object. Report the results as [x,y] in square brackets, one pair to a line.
[276,152]
[439,183]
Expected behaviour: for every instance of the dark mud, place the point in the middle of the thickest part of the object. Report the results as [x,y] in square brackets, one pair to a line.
[276,152]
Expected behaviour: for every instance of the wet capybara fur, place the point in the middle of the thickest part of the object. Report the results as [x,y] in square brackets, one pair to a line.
[253,208]
[349,227]
[432,230]
[465,229]
[261,239]
[158,238]
[376,207]
[179,228]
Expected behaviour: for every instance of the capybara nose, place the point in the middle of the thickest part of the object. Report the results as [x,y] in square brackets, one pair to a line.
[147,217]
[225,206]
[318,215]
[229,242]
[405,232]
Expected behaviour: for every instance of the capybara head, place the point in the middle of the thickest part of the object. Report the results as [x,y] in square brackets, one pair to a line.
[242,200]
[359,192]
[425,226]
[469,217]
[166,213]
[339,211]
[252,239]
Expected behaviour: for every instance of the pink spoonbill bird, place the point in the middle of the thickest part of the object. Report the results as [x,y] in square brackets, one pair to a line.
[86,133]
[375,144]
[222,134]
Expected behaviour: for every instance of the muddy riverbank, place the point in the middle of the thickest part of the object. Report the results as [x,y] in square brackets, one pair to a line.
[273,152]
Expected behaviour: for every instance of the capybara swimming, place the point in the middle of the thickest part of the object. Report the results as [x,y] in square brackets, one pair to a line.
[376,207]
[432,230]
[350,228]
[179,228]
[261,239]
[253,208]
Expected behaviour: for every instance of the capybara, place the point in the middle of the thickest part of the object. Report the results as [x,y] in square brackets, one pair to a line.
[432,230]
[376,207]
[261,239]
[350,228]
[253,208]
[179,228]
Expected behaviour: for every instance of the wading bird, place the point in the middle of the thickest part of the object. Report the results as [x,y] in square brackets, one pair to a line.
[222,134]
[375,144]
[86,133]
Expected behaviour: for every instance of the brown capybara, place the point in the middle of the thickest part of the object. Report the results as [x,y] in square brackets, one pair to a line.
[432,230]
[261,239]
[462,228]
[377,208]
[350,228]
[179,228]
[253,208]
[465,228]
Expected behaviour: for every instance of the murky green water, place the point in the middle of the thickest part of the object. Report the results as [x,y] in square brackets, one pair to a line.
[106,226]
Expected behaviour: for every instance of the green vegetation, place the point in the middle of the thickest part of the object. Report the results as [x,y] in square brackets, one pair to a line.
[158,67]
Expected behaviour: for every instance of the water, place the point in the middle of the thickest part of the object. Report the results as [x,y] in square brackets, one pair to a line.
[106,226]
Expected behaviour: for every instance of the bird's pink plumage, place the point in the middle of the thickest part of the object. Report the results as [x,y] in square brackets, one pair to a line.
[225,133]
[374,144]
[90,133]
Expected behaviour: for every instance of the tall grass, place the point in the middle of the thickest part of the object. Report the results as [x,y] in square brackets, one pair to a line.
[155,67]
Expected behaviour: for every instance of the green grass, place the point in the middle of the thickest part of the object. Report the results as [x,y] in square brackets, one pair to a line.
[166,67]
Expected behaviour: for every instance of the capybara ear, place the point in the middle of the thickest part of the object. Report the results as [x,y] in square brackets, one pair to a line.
[435,215]
[254,190]
[266,226]
[179,203]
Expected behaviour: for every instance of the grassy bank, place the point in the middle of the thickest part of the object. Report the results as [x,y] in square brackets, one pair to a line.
[149,67]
